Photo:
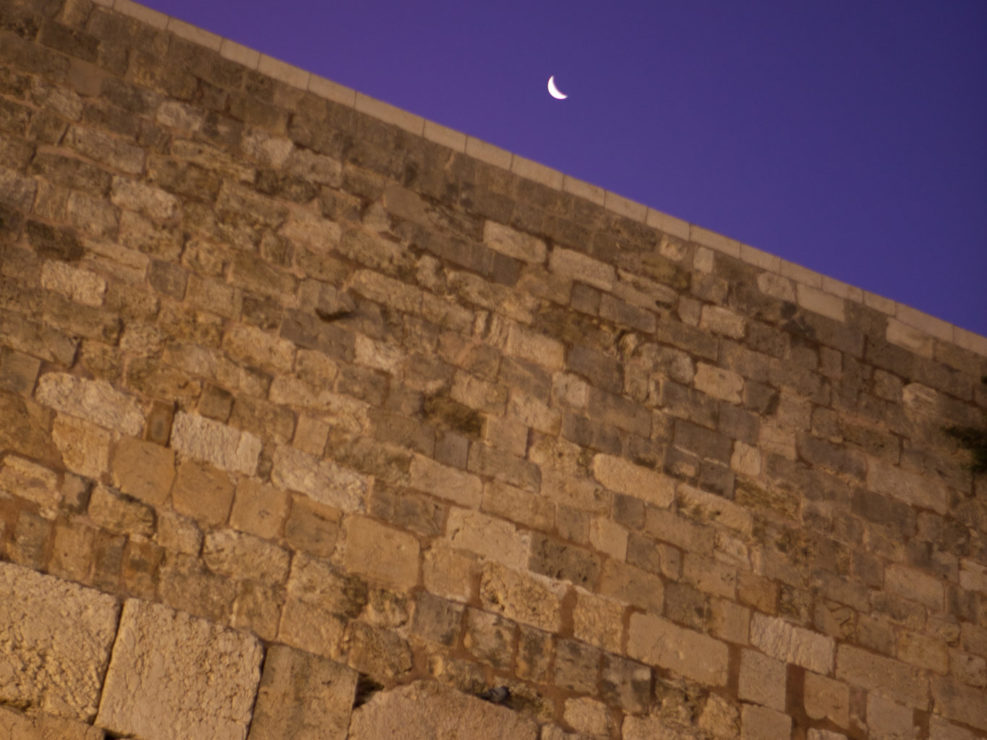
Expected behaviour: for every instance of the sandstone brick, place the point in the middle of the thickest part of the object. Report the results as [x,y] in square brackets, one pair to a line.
[215,443]
[792,644]
[524,597]
[144,694]
[81,286]
[621,476]
[19,726]
[311,526]
[534,347]
[762,680]
[887,718]
[489,537]
[85,447]
[380,553]
[598,620]
[437,620]
[916,585]
[445,482]
[906,486]
[489,637]
[244,556]
[259,509]
[118,514]
[719,383]
[18,371]
[320,584]
[156,204]
[93,400]
[825,698]
[658,642]
[143,469]
[761,723]
[310,628]
[577,266]
[251,346]
[588,716]
[729,621]
[437,711]
[960,703]
[513,243]
[448,572]
[323,480]
[27,480]
[302,696]
[57,639]
[106,149]
[877,673]
[202,492]
[608,537]
[722,321]
[380,653]
[707,507]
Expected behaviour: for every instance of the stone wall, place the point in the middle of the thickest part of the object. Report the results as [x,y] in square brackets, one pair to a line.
[320,419]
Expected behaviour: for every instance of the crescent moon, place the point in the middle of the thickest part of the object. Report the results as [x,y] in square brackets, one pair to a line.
[554,91]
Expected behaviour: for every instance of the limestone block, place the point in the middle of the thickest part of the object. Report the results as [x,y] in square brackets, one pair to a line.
[75,284]
[259,509]
[252,346]
[310,628]
[762,680]
[379,552]
[315,581]
[960,703]
[215,443]
[322,480]
[85,447]
[489,537]
[96,401]
[827,699]
[17,726]
[588,716]
[625,477]
[427,710]
[143,470]
[28,480]
[658,642]
[906,486]
[875,672]
[792,644]
[445,482]
[524,597]
[303,697]
[719,383]
[202,492]
[448,572]
[244,556]
[578,266]
[173,675]
[761,723]
[146,199]
[887,718]
[119,514]
[513,243]
[722,321]
[598,620]
[55,640]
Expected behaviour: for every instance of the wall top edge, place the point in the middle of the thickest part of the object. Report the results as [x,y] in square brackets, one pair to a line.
[916,320]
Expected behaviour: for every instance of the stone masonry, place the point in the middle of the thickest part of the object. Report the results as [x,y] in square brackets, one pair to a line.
[319,420]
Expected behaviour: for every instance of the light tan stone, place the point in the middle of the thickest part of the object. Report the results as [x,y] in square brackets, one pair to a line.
[143,470]
[244,556]
[661,643]
[960,703]
[876,673]
[535,347]
[445,482]
[56,638]
[211,441]
[322,480]
[762,680]
[761,723]
[258,508]
[174,675]
[914,584]
[302,696]
[719,717]
[202,492]
[625,477]
[120,514]
[608,537]
[381,553]
[653,727]
[316,582]
[631,585]
[27,480]
[17,726]
[707,507]
[906,486]
[95,401]
[819,302]
[85,447]
[524,597]
[776,286]
[178,533]
[940,729]
[746,459]
[449,573]
[489,537]
[598,620]
[587,715]
[826,698]
[889,719]
[254,347]
[722,321]
[792,644]
[311,628]
[513,243]
[430,710]
[578,266]
[81,286]
[718,383]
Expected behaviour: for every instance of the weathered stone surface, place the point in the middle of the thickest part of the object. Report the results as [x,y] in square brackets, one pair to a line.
[143,469]
[244,556]
[176,675]
[85,447]
[323,480]
[523,597]
[489,537]
[17,726]
[792,644]
[445,482]
[28,480]
[762,680]
[875,672]
[429,710]
[302,696]
[658,642]
[96,401]
[625,477]
[381,553]
[56,639]
[215,443]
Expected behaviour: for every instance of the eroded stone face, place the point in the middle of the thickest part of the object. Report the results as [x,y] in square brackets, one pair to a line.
[429,710]
[174,675]
[55,640]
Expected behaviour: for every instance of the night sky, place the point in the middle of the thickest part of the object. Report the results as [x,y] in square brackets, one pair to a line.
[848,136]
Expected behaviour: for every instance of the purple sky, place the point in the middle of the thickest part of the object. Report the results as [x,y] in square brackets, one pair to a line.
[849,136]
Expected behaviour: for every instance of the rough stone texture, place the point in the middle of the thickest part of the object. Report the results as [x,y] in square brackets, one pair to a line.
[429,710]
[302,696]
[377,393]
[173,675]
[55,640]
[17,726]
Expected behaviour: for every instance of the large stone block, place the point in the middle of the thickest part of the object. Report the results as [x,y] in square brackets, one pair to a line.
[523,597]
[383,554]
[302,696]
[625,477]
[215,443]
[792,644]
[322,480]
[874,672]
[658,642]
[176,676]
[55,640]
[426,710]
[96,401]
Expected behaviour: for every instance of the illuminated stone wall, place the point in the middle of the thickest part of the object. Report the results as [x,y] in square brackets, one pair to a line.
[318,419]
